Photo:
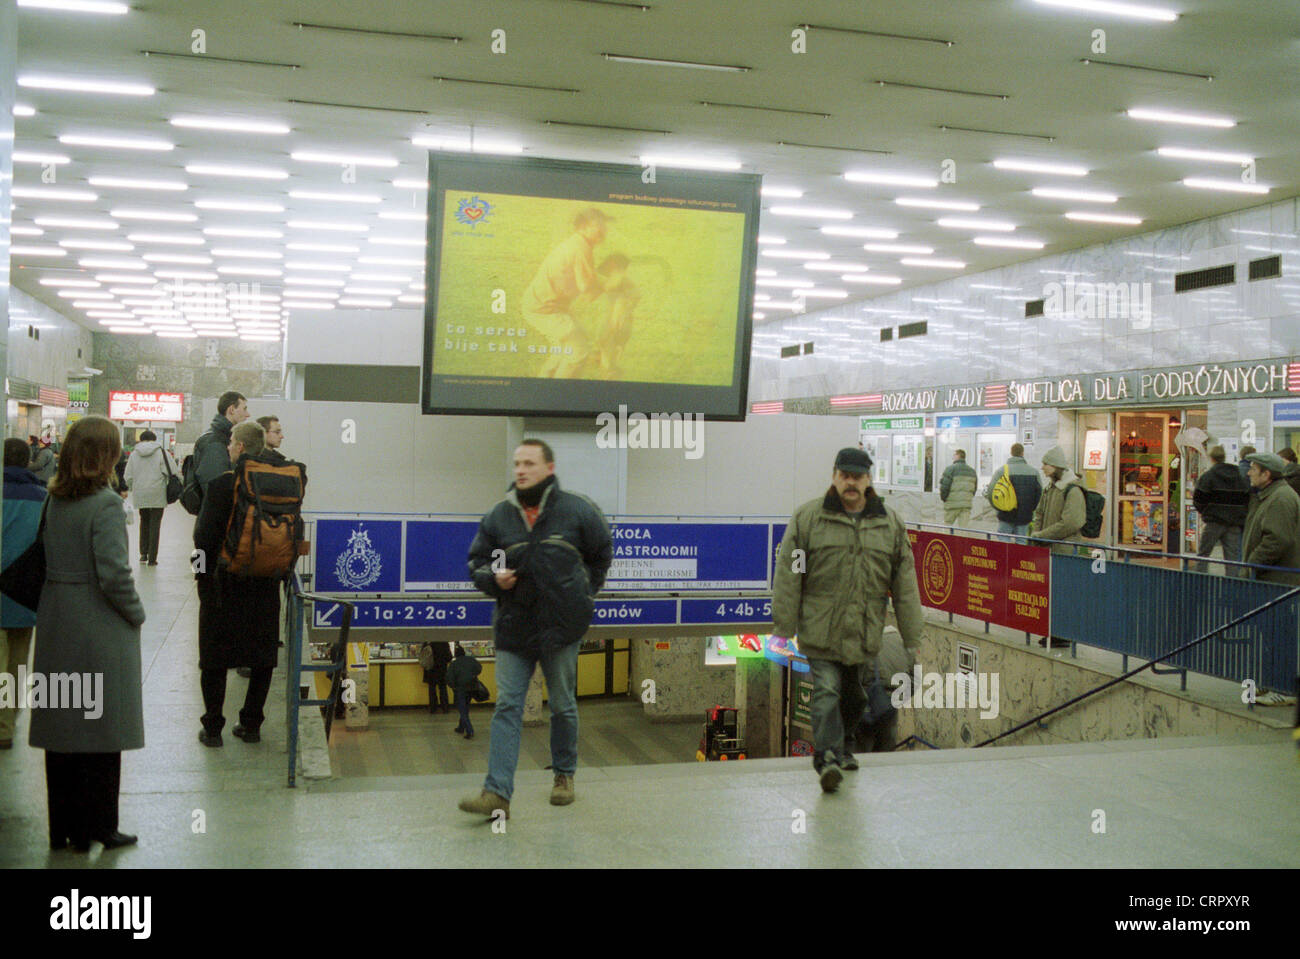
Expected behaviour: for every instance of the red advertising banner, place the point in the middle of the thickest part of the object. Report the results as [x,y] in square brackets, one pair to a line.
[1003,583]
[161,407]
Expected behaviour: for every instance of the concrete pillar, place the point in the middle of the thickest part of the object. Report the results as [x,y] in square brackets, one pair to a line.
[681,687]
[8,70]
[758,696]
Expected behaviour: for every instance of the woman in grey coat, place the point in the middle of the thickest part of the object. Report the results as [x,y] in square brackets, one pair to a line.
[87,644]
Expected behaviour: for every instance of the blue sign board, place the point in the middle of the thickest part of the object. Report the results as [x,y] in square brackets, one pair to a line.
[1286,412]
[703,611]
[641,612]
[437,552]
[977,421]
[405,614]
[358,556]
[680,556]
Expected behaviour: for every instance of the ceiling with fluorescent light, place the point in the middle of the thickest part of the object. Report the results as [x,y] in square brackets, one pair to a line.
[1026,51]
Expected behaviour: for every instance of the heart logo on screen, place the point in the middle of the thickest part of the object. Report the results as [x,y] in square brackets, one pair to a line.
[473,210]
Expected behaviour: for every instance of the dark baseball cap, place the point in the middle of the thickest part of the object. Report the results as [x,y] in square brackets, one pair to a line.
[852,460]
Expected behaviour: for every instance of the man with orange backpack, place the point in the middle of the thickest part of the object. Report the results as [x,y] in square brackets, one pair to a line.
[246,540]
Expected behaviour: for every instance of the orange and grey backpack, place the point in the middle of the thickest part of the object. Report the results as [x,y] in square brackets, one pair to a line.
[265,534]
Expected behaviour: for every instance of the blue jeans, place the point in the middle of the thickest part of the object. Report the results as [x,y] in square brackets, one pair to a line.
[838,702]
[513,673]
[1014,528]
[462,705]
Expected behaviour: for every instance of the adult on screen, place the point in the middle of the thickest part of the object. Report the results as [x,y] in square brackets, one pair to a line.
[542,553]
[843,556]
[567,274]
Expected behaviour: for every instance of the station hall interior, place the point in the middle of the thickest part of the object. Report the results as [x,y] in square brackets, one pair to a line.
[926,232]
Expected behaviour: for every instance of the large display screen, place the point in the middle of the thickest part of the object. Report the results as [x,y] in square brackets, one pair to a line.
[571,289]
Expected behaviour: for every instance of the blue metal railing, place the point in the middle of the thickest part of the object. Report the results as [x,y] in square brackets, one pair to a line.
[296,616]
[1136,607]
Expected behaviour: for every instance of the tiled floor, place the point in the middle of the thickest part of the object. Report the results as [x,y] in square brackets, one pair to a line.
[1164,803]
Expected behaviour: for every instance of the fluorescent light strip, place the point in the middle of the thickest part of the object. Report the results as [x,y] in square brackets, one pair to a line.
[75,85]
[335,197]
[26,231]
[1131,10]
[890,179]
[1008,242]
[324,247]
[76,6]
[963,223]
[823,213]
[59,281]
[185,274]
[898,248]
[111,246]
[237,126]
[117,143]
[389,261]
[127,183]
[172,239]
[836,266]
[766,240]
[1231,186]
[381,241]
[177,258]
[1037,166]
[53,159]
[47,193]
[341,159]
[334,227]
[782,193]
[313,265]
[1209,156]
[241,206]
[796,254]
[1188,119]
[163,217]
[421,217]
[1083,196]
[1102,218]
[74,223]
[358,301]
[860,232]
[243,172]
[248,271]
[244,232]
[112,263]
[411,184]
[249,254]
[960,206]
[939,264]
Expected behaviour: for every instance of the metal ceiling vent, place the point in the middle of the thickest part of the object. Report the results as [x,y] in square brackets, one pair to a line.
[913,329]
[1035,307]
[1266,268]
[1203,279]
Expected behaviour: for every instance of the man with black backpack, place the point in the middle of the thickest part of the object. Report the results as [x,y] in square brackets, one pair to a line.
[211,457]
[246,541]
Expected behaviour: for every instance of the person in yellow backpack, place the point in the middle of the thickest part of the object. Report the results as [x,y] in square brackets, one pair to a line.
[1025,492]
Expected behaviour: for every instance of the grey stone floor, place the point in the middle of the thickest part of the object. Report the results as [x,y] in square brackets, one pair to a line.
[1166,803]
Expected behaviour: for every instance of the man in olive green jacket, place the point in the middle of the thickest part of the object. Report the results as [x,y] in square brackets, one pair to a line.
[1272,535]
[842,557]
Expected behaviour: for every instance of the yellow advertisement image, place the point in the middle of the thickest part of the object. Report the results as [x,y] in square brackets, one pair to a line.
[538,287]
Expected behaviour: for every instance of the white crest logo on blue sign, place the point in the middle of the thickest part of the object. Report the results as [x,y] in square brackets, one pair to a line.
[360,564]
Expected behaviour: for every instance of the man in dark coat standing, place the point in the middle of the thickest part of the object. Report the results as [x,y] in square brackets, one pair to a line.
[542,553]
[211,450]
[1221,497]
[239,616]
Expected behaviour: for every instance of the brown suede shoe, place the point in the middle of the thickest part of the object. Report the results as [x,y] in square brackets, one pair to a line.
[485,804]
[562,791]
